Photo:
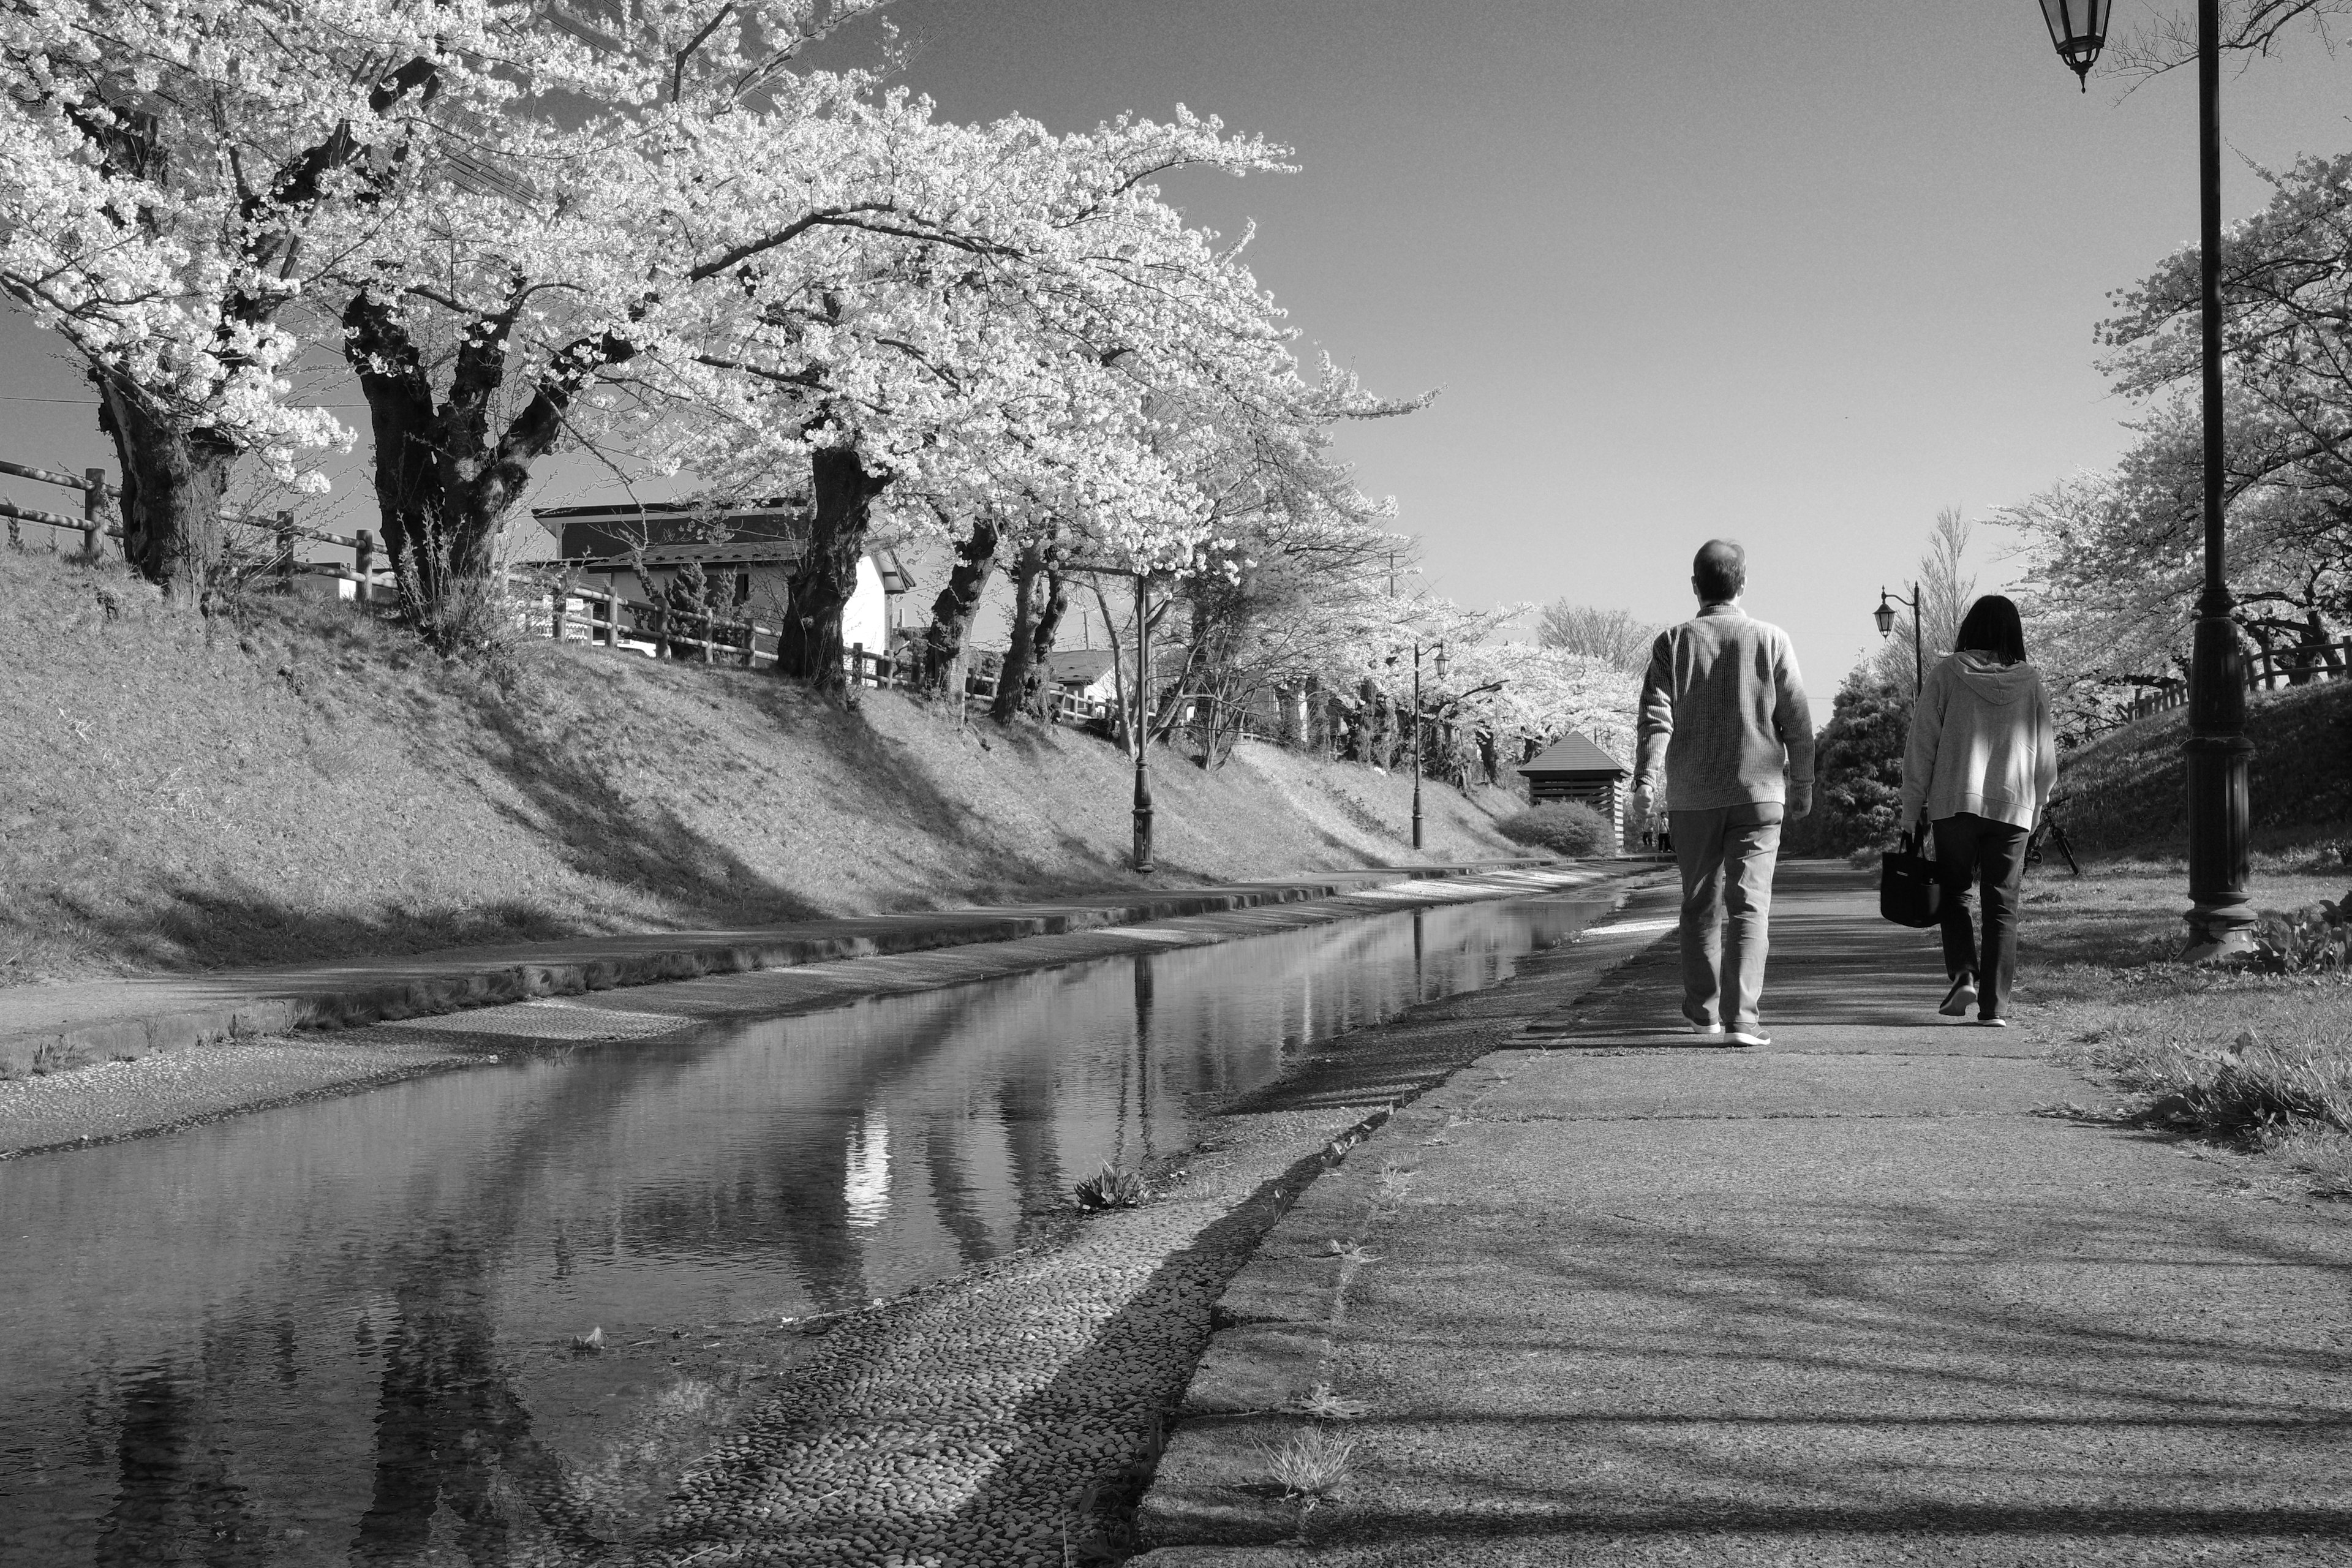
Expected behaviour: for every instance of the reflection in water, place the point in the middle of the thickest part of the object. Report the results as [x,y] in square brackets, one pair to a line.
[866,1191]
[339,1332]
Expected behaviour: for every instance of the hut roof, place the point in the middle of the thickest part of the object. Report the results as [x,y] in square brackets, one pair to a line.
[1573,756]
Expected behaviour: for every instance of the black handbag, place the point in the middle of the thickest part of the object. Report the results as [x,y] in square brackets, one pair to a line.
[1909,892]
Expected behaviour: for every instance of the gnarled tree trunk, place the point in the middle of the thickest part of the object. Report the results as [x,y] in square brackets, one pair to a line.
[951,611]
[1052,607]
[842,491]
[174,534]
[1021,657]
[444,481]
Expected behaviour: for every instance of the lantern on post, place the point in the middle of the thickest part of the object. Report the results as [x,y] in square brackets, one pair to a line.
[2079,29]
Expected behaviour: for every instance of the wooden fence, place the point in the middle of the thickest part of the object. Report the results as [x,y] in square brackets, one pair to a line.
[93,526]
[2266,670]
[566,611]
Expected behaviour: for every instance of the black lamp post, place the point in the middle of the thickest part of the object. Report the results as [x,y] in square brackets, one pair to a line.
[1885,616]
[1142,722]
[2217,751]
[1417,720]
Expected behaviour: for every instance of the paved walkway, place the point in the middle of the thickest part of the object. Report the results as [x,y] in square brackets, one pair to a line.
[1619,1297]
[45,1027]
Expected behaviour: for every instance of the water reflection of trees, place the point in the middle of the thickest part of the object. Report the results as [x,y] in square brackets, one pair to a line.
[174,1499]
[737,1145]
[451,1433]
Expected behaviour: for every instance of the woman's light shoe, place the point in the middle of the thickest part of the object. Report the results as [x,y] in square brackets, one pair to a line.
[1960,997]
[1707,1029]
[1994,1023]
[1749,1035]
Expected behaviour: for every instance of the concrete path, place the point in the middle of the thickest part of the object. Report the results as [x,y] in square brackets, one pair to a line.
[46,1027]
[1616,1296]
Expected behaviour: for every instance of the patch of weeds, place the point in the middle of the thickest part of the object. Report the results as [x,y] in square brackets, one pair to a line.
[1112,1188]
[2250,1087]
[1312,1466]
[1353,1253]
[2314,939]
[2324,1155]
[1324,1404]
[1394,1183]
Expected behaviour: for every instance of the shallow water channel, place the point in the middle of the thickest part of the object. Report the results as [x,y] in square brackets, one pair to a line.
[323,1334]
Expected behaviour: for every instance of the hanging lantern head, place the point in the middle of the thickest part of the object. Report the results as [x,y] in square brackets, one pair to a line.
[2079,29]
[1884,616]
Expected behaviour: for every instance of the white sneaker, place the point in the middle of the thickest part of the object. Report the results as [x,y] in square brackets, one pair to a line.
[1707,1029]
[1749,1035]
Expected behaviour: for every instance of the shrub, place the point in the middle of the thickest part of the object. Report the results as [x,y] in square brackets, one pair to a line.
[1567,827]
[1112,1188]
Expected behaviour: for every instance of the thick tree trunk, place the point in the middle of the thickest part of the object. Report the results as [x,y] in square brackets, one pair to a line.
[1021,657]
[1380,728]
[842,491]
[173,482]
[951,611]
[1050,614]
[408,481]
[445,480]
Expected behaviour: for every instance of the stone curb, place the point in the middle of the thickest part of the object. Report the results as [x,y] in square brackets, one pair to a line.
[284,1009]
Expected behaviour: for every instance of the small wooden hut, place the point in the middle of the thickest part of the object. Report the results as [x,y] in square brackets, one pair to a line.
[1573,768]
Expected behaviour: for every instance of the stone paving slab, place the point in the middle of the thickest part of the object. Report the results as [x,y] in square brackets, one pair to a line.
[44,1028]
[1630,1303]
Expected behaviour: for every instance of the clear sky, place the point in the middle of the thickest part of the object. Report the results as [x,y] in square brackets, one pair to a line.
[1794,271]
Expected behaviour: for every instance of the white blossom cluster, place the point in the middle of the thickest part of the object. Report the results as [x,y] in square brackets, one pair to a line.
[648,227]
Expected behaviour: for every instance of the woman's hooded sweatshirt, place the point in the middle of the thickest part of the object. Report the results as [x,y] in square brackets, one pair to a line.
[1980,743]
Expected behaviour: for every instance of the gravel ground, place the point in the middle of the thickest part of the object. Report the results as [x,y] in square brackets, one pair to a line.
[1008,1417]
[176,1089]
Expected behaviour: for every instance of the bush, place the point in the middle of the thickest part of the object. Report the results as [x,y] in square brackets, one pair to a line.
[1567,827]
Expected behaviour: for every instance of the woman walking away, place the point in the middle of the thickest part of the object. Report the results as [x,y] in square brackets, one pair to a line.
[1979,766]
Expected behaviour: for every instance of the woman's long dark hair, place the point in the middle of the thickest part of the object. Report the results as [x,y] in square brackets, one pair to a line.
[1992,626]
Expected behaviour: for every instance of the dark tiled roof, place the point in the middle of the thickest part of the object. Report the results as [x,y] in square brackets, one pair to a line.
[1575,757]
[1077,665]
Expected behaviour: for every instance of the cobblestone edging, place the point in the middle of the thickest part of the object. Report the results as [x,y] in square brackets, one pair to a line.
[343,996]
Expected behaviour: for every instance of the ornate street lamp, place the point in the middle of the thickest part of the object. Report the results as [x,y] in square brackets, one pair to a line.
[1885,616]
[2079,29]
[2217,751]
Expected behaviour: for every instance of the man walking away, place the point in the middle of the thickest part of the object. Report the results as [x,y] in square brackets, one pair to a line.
[1724,710]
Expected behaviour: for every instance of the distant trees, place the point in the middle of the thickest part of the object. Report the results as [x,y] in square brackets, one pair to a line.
[1612,637]
[2116,559]
[1945,591]
[1858,762]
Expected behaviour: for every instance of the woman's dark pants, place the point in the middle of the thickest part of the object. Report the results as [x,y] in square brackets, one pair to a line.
[1970,848]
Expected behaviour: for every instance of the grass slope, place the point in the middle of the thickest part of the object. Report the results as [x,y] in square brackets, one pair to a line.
[2124,792]
[298,782]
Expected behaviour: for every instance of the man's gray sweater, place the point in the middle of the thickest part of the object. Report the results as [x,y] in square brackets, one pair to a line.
[1723,709]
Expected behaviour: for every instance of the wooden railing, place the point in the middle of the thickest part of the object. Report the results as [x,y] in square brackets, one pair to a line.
[93,526]
[2266,670]
[570,613]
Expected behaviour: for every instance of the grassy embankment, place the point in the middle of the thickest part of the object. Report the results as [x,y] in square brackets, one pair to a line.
[2262,1060]
[299,782]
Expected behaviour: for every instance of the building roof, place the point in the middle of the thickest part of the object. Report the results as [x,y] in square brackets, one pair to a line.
[1077,665]
[597,531]
[1573,756]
